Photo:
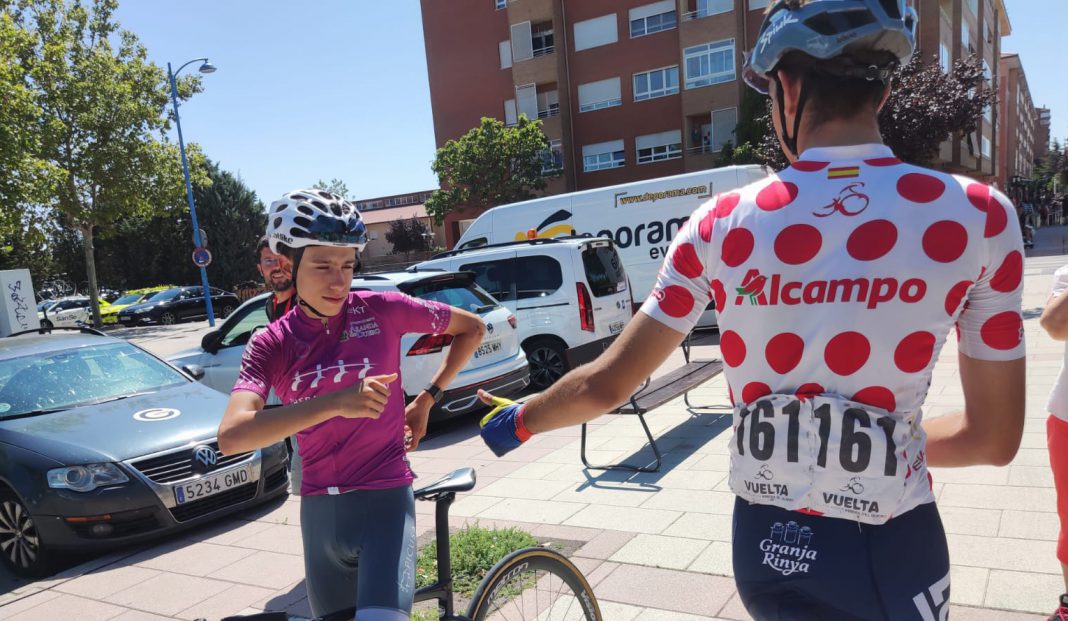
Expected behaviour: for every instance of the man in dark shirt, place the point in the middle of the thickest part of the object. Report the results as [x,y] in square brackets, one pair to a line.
[277,273]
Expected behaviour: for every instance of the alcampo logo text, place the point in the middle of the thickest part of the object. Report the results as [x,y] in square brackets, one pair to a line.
[761,290]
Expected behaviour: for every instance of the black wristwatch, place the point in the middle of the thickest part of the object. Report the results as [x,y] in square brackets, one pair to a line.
[435,393]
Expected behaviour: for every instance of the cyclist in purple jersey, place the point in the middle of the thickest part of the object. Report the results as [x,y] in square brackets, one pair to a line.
[837,281]
[334,362]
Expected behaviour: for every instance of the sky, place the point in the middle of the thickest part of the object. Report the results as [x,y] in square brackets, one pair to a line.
[338,88]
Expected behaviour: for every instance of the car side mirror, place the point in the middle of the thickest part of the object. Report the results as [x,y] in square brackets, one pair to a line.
[194,370]
[211,342]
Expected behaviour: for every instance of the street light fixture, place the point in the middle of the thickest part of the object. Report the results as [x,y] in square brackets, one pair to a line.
[205,68]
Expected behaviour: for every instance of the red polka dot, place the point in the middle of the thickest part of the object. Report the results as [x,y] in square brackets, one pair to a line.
[733,348]
[1003,331]
[737,246]
[776,195]
[997,219]
[808,166]
[686,262]
[719,294]
[784,352]
[809,390]
[920,188]
[754,391]
[1007,278]
[956,294]
[872,240]
[914,352]
[798,243]
[705,226]
[883,161]
[877,396]
[979,196]
[846,353]
[726,204]
[675,301]
[945,241]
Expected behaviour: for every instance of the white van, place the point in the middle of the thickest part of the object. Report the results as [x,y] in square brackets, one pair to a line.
[641,218]
[564,292]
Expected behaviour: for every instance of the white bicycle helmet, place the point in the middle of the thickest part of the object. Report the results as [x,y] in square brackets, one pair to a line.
[315,218]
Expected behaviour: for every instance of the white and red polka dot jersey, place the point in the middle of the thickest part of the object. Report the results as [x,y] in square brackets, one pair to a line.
[845,273]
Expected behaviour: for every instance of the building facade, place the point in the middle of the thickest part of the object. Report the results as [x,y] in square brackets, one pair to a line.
[1043,135]
[378,214]
[636,89]
[1018,127]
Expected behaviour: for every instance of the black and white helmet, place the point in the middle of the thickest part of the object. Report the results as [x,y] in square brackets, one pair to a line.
[315,218]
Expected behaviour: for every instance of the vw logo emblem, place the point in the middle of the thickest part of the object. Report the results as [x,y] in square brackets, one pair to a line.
[156,414]
[489,327]
[204,458]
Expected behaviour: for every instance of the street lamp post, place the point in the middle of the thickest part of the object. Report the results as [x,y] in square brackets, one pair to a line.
[204,68]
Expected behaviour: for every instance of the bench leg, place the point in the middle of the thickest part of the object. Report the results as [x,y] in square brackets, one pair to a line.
[627,467]
[691,408]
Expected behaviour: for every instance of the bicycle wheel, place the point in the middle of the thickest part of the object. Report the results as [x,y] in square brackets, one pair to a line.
[534,583]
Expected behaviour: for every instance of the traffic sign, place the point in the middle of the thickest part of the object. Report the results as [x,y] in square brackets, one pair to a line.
[202,257]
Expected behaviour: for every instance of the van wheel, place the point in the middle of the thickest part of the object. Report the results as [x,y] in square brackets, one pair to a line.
[547,361]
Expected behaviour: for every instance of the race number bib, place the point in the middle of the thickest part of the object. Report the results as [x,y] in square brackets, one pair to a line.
[829,455]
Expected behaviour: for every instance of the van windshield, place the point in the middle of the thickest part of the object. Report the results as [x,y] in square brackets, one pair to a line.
[604,270]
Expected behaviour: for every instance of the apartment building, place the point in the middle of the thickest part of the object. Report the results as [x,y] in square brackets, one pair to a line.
[1043,135]
[626,89]
[379,213]
[950,30]
[1018,124]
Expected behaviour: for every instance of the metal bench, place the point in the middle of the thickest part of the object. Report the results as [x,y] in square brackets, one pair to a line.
[650,396]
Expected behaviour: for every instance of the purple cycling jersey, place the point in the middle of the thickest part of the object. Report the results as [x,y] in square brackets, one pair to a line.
[301,359]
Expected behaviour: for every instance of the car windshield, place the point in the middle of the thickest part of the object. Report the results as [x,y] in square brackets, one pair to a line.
[128,299]
[60,380]
[165,295]
[455,293]
[45,305]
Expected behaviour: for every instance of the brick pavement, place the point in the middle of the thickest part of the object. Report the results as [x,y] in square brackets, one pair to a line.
[657,546]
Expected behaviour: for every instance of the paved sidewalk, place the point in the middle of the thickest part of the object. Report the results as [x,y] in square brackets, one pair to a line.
[657,546]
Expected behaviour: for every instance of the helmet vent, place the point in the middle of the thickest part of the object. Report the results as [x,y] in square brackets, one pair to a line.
[892,8]
[830,24]
[277,222]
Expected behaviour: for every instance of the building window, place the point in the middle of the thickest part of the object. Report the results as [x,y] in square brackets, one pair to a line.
[511,117]
[711,63]
[987,74]
[656,83]
[974,6]
[986,147]
[541,39]
[965,36]
[501,4]
[603,155]
[598,95]
[596,32]
[705,8]
[552,159]
[548,104]
[724,122]
[656,17]
[659,147]
[521,42]
[945,60]
[505,50]
[526,100]
[757,4]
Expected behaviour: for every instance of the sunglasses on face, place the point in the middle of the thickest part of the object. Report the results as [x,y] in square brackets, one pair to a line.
[270,262]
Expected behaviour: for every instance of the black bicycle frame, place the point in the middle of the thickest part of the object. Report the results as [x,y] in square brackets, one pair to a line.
[442,589]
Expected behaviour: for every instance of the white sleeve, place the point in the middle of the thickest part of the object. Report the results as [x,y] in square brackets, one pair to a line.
[1060,281]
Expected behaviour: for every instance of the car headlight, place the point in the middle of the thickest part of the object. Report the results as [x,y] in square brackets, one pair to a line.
[142,310]
[86,478]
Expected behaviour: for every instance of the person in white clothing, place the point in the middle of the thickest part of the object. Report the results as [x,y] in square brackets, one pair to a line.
[1055,322]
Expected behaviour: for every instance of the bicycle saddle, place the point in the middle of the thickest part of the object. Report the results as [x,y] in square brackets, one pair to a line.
[461,480]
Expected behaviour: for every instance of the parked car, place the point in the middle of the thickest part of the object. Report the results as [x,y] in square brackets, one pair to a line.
[177,304]
[103,444]
[134,296]
[499,365]
[68,312]
[565,292]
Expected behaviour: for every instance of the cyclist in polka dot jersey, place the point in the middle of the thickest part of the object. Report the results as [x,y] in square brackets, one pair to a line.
[837,283]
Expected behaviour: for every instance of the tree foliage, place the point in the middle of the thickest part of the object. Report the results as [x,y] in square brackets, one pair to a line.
[1052,172]
[337,186]
[102,112]
[408,235]
[490,165]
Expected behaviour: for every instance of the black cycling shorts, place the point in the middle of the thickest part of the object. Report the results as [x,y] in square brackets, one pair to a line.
[791,566]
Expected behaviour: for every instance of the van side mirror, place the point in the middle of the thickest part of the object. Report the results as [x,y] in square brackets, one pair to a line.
[194,370]
[211,341]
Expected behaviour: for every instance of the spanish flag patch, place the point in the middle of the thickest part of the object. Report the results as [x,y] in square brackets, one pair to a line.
[847,172]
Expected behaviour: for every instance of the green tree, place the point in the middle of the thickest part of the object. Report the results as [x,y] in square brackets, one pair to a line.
[490,165]
[234,219]
[408,235]
[103,110]
[337,186]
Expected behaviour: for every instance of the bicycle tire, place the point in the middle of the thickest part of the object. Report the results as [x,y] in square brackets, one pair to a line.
[546,586]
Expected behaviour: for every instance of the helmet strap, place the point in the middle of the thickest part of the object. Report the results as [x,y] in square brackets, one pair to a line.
[297,256]
[311,308]
[789,138]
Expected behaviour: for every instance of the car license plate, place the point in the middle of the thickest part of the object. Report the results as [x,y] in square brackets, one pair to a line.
[210,485]
[125,319]
[487,348]
[615,327]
